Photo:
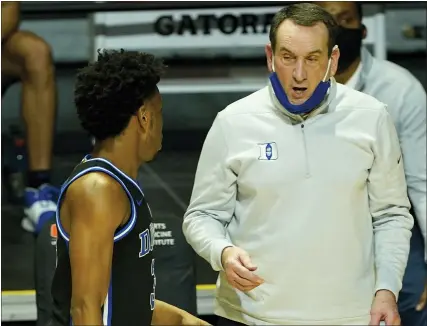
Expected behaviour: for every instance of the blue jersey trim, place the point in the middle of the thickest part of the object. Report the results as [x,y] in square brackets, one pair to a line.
[129,225]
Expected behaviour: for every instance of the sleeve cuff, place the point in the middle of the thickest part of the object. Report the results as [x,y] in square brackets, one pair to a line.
[217,248]
[393,287]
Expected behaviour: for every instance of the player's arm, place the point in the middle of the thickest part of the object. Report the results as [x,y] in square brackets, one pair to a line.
[9,18]
[213,199]
[389,206]
[96,206]
[166,314]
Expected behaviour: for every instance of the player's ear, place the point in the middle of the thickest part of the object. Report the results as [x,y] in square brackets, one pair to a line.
[143,116]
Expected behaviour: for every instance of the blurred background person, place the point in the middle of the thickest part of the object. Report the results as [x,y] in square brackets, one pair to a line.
[406,102]
[27,58]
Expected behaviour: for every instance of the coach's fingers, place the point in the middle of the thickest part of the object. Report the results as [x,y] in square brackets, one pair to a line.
[244,288]
[244,273]
[375,319]
[246,262]
[392,319]
[236,285]
[242,281]
[245,284]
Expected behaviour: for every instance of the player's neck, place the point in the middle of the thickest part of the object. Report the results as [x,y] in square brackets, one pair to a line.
[118,152]
[345,76]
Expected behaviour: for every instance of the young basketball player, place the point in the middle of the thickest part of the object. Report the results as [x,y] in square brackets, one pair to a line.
[105,271]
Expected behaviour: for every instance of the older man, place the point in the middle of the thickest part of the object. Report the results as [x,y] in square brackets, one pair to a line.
[300,196]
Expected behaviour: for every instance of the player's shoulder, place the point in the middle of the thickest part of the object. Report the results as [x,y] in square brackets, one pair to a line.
[94,186]
[96,198]
[255,103]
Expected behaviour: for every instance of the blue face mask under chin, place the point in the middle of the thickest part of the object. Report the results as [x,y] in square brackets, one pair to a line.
[314,101]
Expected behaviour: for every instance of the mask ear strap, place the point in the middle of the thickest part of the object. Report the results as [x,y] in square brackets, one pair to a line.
[327,70]
[272,63]
[329,64]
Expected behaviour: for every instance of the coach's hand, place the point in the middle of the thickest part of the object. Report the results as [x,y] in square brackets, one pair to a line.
[384,308]
[239,269]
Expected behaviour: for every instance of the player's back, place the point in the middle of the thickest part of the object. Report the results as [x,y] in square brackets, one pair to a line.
[130,296]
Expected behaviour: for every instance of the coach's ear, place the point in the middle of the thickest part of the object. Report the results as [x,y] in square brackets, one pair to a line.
[335,55]
[269,53]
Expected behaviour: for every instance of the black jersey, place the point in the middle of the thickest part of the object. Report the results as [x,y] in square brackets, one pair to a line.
[130,297]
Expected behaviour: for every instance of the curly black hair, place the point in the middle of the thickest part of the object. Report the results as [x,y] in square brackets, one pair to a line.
[109,91]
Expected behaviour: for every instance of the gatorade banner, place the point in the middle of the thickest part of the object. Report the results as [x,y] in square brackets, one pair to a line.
[181,32]
[239,31]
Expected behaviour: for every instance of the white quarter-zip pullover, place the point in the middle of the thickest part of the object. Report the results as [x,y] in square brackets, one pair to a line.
[320,206]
